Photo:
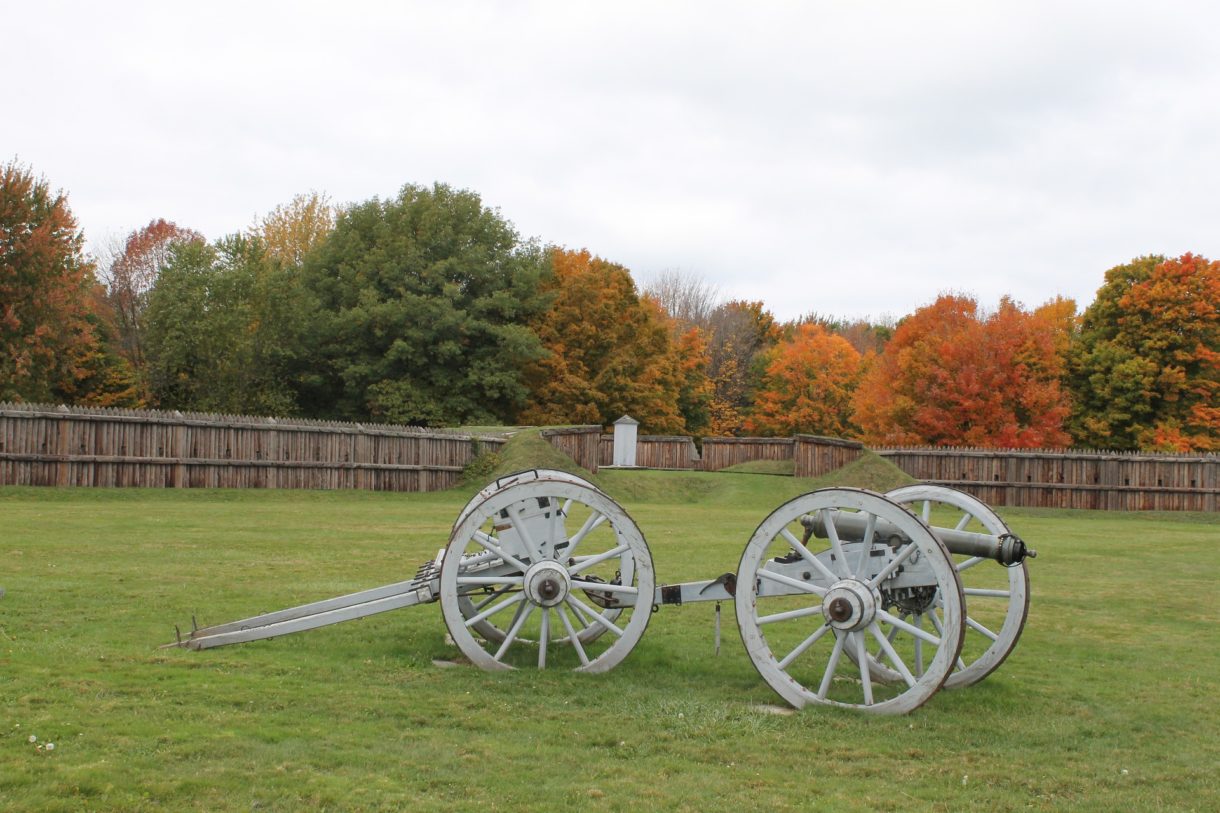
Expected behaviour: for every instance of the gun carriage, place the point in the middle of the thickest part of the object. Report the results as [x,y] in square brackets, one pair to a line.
[843,596]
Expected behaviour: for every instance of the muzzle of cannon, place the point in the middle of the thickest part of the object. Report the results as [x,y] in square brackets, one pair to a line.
[544,569]
[1007,549]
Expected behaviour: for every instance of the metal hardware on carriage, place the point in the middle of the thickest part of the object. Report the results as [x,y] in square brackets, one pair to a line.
[553,544]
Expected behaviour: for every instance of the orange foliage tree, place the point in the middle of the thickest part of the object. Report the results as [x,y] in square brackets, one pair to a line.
[608,350]
[1145,369]
[807,386]
[46,338]
[951,376]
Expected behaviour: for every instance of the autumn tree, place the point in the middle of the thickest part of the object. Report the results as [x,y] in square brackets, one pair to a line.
[45,284]
[608,350]
[106,378]
[738,335]
[421,305]
[865,335]
[290,231]
[807,386]
[695,390]
[954,376]
[1145,369]
[131,275]
[225,330]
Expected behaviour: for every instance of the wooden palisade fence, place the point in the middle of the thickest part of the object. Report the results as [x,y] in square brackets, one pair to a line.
[656,452]
[1066,478]
[1042,478]
[720,453]
[581,443]
[41,445]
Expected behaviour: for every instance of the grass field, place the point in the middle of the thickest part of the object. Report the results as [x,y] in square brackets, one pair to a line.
[1108,703]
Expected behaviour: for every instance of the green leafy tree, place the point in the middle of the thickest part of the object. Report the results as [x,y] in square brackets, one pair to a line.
[130,276]
[1145,366]
[422,309]
[45,284]
[225,329]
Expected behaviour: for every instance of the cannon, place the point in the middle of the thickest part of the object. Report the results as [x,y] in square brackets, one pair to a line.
[843,596]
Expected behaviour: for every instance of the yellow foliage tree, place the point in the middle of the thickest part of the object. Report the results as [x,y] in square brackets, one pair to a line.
[807,386]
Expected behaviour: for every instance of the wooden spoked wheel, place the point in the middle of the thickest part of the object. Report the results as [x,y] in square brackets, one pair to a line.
[542,560]
[472,605]
[997,597]
[806,604]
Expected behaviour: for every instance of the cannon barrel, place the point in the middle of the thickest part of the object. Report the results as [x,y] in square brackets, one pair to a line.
[1006,549]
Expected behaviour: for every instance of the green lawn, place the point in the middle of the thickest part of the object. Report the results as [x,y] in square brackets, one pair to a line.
[1108,703]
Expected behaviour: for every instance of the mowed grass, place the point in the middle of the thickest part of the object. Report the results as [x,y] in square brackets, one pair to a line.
[1108,703]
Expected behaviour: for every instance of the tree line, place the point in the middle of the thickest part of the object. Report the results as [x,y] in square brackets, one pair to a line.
[428,308]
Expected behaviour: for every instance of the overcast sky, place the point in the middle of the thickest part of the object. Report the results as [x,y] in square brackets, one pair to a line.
[849,158]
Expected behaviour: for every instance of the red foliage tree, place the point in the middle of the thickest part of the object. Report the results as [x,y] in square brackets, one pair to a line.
[951,376]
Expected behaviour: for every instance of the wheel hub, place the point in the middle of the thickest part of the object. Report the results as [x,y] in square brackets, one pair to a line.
[547,583]
[850,605]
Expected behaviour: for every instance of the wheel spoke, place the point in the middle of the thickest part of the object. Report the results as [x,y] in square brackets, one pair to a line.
[888,618]
[935,619]
[866,678]
[919,646]
[831,665]
[527,539]
[964,521]
[605,587]
[866,547]
[543,635]
[979,591]
[490,598]
[790,614]
[579,606]
[894,564]
[489,612]
[804,645]
[511,581]
[572,636]
[925,512]
[891,653]
[977,627]
[893,633]
[494,546]
[808,556]
[836,547]
[512,632]
[595,519]
[596,560]
[803,586]
[969,563]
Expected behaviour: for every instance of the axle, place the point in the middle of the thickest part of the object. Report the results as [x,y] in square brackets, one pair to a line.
[1006,549]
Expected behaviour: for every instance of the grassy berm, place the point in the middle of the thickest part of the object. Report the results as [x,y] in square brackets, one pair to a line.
[1108,702]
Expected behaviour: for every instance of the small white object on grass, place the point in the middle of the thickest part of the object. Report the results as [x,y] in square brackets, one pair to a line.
[33,738]
[50,746]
